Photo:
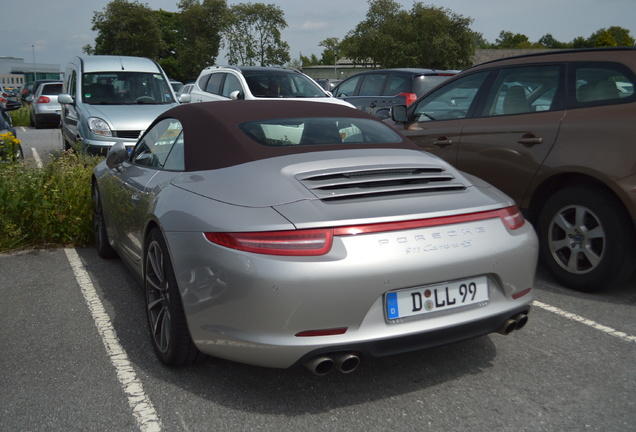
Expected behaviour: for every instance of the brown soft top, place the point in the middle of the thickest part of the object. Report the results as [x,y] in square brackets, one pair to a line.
[214,140]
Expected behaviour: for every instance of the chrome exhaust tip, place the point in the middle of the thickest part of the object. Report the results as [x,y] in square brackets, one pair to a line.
[347,362]
[321,365]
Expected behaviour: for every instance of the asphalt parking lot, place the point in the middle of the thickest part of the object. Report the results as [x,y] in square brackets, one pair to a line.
[76,356]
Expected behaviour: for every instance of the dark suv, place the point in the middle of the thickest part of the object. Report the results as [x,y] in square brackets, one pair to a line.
[376,91]
[555,131]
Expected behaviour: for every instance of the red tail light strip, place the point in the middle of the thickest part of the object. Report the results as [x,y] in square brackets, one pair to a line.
[314,242]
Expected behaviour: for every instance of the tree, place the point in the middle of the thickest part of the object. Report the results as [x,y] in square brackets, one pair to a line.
[425,36]
[611,37]
[549,41]
[252,35]
[199,27]
[126,28]
[167,58]
[331,51]
[509,40]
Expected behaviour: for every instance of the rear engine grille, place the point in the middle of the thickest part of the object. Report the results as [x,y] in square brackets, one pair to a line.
[341,185]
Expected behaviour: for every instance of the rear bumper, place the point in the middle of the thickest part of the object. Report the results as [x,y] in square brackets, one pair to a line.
[424,340]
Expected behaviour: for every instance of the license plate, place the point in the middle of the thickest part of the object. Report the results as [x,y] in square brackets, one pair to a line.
[433,298]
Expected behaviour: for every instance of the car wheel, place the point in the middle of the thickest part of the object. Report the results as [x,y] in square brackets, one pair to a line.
[104,249]
[37,123]
[168,328]
[586,239]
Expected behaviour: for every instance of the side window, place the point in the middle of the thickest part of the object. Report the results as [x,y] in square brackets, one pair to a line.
[72,84]
[176,159]
[155,147]
[214,83]
[347,88]
[372,85]
[452,101]
[523,90]
[231,84]
[602,83]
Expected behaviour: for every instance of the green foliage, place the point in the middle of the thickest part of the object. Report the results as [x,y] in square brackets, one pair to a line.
[605,37]
[21,117]
[127,28]
[48,206]
[252,35]
[425,36]
[199,26]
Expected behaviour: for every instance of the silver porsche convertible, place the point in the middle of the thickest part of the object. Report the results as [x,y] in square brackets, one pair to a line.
[277,233]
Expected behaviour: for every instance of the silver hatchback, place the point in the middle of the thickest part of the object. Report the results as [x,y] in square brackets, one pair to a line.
[45,109]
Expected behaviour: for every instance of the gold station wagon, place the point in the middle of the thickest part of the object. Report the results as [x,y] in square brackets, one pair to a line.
[557,132]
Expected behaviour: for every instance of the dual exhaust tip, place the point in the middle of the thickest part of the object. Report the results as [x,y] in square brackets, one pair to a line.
[517,322]
[343,362]
[348,362]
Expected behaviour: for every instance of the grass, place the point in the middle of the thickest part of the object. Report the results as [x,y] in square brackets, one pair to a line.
[21,117]
[46,207]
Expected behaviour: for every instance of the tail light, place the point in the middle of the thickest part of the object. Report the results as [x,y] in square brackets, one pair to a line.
[410,97]
[43,99]
[290,243]
[316,242]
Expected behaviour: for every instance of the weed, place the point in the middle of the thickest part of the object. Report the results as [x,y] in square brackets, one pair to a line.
[50,206]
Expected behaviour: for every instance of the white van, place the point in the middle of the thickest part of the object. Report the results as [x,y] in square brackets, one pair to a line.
[109,99]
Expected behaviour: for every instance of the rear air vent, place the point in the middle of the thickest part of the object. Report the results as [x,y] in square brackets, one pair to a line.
[385,181]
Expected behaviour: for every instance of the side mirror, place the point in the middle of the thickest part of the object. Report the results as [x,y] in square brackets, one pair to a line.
[65,99]
[12,105]
[237,95]
[398,114]
[185,98]
[117,155]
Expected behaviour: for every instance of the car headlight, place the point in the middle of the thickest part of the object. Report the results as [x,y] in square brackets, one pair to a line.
[99,127]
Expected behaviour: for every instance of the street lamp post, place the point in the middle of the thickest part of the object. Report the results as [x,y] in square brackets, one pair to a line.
[34,73]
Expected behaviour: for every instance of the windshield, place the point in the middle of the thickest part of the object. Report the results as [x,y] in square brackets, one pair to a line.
[319,130]
[123,88]
[273,84]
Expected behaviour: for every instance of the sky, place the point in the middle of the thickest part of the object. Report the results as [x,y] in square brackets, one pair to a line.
[54,35]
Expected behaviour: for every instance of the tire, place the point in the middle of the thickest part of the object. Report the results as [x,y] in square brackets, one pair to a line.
[167,323]
[38,124]
[586,239]
[100,235]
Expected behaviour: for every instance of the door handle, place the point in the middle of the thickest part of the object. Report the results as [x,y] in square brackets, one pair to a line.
[442,142]
[530,140]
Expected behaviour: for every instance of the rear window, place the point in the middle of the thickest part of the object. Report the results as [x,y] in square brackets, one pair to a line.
[278,84]
[316,131]
[51,89]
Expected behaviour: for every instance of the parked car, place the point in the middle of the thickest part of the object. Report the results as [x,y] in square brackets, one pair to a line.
[176,85]
[45,109]
[4,96]
[108,99]
[376,91]
[186,89]
[286,232]
[553,131]
[222,83]
[25,93]
[35,85]
[6,127]
[328,84]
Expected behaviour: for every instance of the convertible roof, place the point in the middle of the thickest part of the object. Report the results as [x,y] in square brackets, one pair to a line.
[214,140]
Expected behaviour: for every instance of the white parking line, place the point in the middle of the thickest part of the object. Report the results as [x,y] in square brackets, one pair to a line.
[142,407]
[582,320]
[36,156]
